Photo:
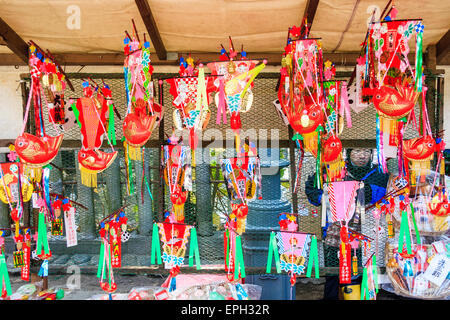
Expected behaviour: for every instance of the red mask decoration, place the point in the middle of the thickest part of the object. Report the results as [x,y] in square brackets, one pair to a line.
[139,124]
[332,149]
[394,103]
[92,117]
[419,149]
[37,151]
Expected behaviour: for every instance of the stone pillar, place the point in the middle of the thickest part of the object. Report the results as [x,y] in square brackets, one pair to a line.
[263,214]
[144,209]
[86,218]
[203,197]
[112,179]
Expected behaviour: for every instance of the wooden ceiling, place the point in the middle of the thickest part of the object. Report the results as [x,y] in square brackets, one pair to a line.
[340,24]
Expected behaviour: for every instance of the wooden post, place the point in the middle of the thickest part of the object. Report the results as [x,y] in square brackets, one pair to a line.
[161,204]
[293,168]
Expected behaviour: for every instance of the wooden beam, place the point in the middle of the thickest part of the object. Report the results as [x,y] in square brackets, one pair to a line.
[443,47]
[13,41]
[150,24]
[83,59]
[310,12]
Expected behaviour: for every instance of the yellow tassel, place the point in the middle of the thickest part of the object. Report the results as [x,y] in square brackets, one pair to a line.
[237,139]
[134,153]
[193,158]
[34,174]
[390,229]
[17,228]
[355,265]
[88,177]
[178,210]
[310,142]
[240,225]
[442,168]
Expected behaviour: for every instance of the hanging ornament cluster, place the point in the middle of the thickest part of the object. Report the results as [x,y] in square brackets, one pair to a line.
[234,83]
[390,82]
[289,249]
[174,237]
[92,112]
[313,104]
[191,98]
[112,233]
[15,190]
[39,149]
[243,180]
[143,113]
[176,168]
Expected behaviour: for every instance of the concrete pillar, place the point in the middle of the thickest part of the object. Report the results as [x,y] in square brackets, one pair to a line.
[112,179]
[144,209]
[86,218]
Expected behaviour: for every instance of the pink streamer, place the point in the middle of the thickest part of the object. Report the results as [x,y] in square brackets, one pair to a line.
[346,105]
[221,108]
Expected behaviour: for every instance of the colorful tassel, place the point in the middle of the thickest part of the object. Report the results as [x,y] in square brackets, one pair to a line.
[4,276]
[273,251]
[404,230]
[364,286]
[239,266]
[156,249]
[42,240]
[193,250]
[313,258]
[418,80]
[111,125]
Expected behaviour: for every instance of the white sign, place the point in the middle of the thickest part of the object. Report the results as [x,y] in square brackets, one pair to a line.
[438,269]
[71,232]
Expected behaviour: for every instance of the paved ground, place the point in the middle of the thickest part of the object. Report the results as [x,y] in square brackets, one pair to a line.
[306,289]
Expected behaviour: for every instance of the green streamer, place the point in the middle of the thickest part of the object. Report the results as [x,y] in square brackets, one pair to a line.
[239,260]
[148,187]
[42,240]
[100,260]
[156,250]
[364,287]
[273,251]
[418,84]
[227,259]
[375,272]
[76,113]
[404,229]
[111,125]
[110,268]
[193,250]
[4,275]
[313,256]
[318,173]
[416,230]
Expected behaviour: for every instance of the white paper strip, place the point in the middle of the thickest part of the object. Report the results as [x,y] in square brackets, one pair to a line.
[71,232]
